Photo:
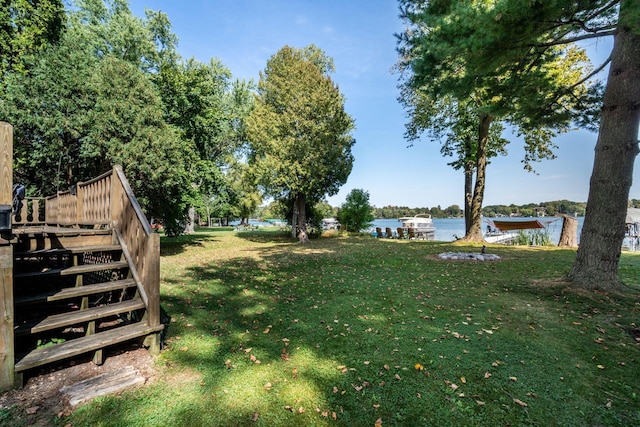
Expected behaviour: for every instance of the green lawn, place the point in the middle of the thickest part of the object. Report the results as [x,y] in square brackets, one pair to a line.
[354,331]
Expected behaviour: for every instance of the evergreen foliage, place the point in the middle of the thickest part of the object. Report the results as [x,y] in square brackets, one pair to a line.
[299,132]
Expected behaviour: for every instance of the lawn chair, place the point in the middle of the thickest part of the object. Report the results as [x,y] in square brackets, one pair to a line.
[401,233]
[412,234]
[379,232]
[389,233]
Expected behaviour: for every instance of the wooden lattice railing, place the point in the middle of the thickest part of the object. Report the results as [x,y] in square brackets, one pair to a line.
[106,201]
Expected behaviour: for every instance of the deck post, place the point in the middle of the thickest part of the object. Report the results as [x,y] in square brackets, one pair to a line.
[7,356]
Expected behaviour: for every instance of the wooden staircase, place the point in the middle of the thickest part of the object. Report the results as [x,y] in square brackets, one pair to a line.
[74,293]
[79,271]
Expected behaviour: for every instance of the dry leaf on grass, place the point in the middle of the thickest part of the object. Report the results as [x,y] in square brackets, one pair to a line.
[520,402]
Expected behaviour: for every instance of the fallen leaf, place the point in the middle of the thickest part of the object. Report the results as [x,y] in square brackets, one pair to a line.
[453,386]
[288,408]
[608,405]
[255,417]
[386,367]
[32,410]
[398,377]
[514,379]
[184,348]
[267,386]
[300,410]
[267,330]
[376,406]
[378,422]
[463,380]
[480,402]
[418,367]
[335,389]
[487,375]
[520,402]
[248,350]
[600,366]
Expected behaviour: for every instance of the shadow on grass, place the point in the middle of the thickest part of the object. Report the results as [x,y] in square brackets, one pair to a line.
[336,327]
[176,245]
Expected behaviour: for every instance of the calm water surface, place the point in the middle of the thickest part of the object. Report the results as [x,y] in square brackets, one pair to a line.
[449,229]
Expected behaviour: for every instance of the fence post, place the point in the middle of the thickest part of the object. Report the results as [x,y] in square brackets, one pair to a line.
[7,355]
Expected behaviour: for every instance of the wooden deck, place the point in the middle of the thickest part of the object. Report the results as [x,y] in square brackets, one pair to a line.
[79,272]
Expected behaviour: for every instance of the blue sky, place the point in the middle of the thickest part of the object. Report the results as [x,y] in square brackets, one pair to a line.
[359,36]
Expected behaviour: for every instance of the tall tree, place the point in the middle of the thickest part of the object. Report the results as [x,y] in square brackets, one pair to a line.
[435,56]
[523,32]
[201,100]
[299,132]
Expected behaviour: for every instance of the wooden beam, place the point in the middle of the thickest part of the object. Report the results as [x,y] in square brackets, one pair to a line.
[7,355]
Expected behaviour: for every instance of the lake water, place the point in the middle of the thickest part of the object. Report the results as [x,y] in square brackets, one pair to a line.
[450,229]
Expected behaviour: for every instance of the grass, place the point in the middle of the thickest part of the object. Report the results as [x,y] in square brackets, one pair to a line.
[354,331]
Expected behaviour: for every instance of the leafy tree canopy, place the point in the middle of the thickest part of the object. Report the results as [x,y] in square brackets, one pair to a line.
[356,213]
[299,132]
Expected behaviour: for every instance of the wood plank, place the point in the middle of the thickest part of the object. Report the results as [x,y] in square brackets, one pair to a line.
[103,385]
[76,269]
[68,349]
[68,250]
[6,318]
[79,316]
[74,292]
[7,374]
[90,268]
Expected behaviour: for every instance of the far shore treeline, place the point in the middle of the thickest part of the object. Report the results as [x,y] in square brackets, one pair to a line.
[553,208]
[557,207]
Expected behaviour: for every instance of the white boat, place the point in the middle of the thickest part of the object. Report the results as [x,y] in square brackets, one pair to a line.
[422,225]
[330,224]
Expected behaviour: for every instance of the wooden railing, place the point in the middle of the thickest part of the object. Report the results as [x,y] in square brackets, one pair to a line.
[107,201]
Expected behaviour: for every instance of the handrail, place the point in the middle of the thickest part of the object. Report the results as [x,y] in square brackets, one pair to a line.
[108,200]
[132,268]
[142,245]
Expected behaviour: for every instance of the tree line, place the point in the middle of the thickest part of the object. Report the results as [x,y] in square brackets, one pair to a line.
[91,85]
[454,211]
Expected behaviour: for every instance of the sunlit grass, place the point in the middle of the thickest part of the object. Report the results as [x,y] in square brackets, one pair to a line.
[264,331]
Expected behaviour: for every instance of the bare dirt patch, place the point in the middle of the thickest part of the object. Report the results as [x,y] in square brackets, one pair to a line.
[40,400]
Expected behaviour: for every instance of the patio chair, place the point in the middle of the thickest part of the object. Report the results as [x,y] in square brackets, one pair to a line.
[401,233]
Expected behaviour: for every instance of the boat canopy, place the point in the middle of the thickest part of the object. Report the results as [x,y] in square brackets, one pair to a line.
[633,216]
[517,225]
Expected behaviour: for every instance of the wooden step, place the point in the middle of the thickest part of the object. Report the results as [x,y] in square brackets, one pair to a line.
[67,250]
[47,230]
[78,316]
[77,269]
[79,291]
[44,355]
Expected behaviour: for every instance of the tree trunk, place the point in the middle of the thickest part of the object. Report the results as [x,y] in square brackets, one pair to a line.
[294,219]
[596,264]
[475,228]
[191,219]
[569,233]
[468,188]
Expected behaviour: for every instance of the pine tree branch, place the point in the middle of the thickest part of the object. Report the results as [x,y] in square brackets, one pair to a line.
[576,39]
